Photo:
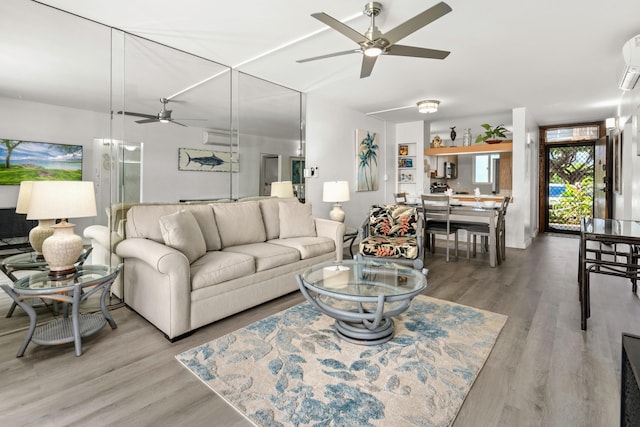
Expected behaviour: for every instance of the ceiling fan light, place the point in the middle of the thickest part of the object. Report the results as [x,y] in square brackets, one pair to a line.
[372,51]
[428,106]
[164,120]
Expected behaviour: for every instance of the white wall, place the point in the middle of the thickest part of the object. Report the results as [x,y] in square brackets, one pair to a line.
[627,204]
[331,147]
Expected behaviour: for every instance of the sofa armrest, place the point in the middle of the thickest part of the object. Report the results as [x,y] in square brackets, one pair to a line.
[99,234]
[160,257]
[334,230]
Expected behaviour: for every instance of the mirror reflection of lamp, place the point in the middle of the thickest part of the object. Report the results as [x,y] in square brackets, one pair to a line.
[281,189]
[336,192]
[39,233]
[62,200]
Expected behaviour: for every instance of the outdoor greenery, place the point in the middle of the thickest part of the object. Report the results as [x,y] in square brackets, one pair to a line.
[574,203]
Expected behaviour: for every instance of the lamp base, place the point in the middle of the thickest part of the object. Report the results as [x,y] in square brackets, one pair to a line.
[39,234]
[61,251]
[337,214]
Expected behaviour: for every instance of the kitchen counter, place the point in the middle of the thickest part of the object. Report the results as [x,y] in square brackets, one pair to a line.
[483,197]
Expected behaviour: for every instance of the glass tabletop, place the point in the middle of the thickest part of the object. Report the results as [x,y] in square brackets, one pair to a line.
[365,278]
[85,275]
[610,227]
[33,260]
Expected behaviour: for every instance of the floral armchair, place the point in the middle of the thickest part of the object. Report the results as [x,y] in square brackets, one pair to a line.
[392,233]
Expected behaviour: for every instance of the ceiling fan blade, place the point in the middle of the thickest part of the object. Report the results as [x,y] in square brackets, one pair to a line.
[330,55]
[177,123]
[151,120]
[367,65]
[417,52]
[340,27]
[129,113]
[417,22]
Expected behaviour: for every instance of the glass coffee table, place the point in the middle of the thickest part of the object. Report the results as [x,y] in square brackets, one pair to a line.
[362,296]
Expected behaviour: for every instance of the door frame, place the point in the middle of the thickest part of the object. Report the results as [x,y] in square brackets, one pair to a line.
[542,175]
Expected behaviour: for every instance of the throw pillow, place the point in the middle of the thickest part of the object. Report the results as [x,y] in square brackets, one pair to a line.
[296,220]
[181,231]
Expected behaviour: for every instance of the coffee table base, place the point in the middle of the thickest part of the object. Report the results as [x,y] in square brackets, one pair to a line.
[358,333]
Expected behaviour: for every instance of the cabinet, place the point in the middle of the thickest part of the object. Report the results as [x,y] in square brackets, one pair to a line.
[407,168]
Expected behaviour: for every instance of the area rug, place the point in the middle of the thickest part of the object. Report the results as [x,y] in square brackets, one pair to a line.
[291,369]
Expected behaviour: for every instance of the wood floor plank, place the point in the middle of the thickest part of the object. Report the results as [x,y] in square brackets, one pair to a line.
[543,371]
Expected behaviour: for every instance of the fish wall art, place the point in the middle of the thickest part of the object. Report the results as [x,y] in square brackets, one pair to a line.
[193,159]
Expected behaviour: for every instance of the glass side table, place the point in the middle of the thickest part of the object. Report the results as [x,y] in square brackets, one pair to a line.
[31,261]
[70,289]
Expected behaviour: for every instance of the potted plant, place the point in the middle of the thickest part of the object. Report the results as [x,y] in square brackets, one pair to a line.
[491,134]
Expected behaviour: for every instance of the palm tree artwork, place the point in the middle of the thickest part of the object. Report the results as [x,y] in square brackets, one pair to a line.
[367,153]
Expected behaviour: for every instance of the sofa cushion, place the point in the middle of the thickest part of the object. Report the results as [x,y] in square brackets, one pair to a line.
[239,223]
[296,220]
[308,247]
[143,221]
[181,231]
[271,214]
[218,267]
[266,255]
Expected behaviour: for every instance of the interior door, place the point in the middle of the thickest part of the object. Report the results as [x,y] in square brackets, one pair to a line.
[602,181]
[269,172]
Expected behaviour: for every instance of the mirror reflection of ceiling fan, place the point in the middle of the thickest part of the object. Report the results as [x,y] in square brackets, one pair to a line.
[373,43]
[164,116]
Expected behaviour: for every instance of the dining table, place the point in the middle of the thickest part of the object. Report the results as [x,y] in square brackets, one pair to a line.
[474,212]
[610,247]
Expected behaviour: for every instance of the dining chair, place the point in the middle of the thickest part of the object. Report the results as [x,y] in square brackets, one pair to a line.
[502,229]
[436,213]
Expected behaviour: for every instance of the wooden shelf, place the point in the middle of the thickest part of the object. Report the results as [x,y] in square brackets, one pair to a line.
[473,149]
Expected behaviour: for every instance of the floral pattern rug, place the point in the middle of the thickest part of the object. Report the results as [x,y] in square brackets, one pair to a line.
[291,369]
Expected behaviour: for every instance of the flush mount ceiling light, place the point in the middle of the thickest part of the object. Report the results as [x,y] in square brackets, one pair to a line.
[428,106]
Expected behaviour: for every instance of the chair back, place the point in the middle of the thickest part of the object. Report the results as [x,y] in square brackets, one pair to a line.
[435,207]
[400,198]
[505,203]
[393,220]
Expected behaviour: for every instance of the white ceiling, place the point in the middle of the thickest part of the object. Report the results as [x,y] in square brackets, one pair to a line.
[560,59]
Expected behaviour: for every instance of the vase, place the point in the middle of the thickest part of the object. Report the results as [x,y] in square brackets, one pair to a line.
[466,138]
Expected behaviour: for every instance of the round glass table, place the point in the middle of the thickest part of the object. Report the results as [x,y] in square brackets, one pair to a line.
[70,289]
[362,296]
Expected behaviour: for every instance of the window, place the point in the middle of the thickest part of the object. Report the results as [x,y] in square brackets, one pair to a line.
[580,133]
[482,165]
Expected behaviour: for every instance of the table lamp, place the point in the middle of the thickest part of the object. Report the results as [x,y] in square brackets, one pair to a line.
[336,192]
[43,229]
[281,189]
[62,200]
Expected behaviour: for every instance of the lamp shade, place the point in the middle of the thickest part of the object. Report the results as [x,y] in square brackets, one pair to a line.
[281,189]
[335,191]
[61,200]
[24,197]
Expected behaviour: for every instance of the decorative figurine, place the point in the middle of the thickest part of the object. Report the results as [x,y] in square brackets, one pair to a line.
[453,134]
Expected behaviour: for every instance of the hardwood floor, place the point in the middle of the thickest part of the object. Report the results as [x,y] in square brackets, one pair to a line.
[543,371]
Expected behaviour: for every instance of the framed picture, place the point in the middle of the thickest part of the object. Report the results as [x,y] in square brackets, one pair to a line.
[38,161]
[192,159]
[403,150]
[297,170]
[366,160]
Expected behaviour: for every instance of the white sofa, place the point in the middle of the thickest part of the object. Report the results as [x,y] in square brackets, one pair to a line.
[188,265]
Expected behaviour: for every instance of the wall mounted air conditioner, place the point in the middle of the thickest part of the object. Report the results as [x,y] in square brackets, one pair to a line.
[218,137]
[631,55]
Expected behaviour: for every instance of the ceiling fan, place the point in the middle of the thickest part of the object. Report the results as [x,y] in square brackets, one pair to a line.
[164,116]
[374,43]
